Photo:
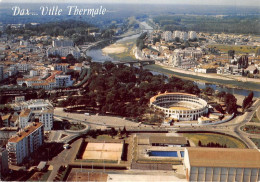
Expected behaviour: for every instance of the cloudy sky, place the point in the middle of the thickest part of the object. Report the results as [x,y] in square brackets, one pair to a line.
[207,2]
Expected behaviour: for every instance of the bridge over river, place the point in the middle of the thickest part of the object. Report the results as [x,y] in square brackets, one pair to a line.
[136,63]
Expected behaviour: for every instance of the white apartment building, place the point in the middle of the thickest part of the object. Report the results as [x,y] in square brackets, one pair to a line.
[63,80]
[45,116]
[23,67]
[176,34]
[34,73]
[64,51]
[61,67]
[192,35]
[33,104]
[167,35]
[25,117]
[25,143]
[184,36]
[62,43]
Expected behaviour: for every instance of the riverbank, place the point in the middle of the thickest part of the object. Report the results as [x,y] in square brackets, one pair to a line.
[209,80]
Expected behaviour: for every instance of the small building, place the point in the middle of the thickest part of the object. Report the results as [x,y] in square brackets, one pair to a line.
[42,166]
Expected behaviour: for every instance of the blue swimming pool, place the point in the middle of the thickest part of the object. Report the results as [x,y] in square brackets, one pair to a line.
[163,153]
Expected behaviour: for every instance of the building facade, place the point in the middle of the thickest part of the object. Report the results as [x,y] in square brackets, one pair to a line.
[181,106]
[3,162]
[222,164]
[63,80]
[25,118]
[25,143]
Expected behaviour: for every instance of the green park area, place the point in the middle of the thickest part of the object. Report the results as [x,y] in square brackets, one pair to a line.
[256,141]
[75,126]
[252,129]
[237,48]
[206,138]
[255,119]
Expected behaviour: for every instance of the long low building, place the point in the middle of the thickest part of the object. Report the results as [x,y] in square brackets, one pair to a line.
[180,106]
[222,164]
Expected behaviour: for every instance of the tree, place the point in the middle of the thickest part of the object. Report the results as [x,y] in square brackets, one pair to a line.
[247,100]
[1,122]
[70,57]
[231,103]
[208,91]
[231,53]
[113,132]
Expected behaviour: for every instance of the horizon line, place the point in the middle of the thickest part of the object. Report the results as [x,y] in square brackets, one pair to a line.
[129,3]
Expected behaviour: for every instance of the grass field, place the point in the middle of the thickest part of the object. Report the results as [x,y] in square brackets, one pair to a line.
[256,141]
[251,129]
[255,119]
[237,48]
[206,138]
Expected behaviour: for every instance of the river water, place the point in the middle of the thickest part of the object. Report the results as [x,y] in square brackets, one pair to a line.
[98,56]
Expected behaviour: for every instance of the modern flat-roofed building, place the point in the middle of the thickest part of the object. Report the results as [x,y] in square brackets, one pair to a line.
[63,81]
[222,164]
[25,117]
[24,143]
[45,116]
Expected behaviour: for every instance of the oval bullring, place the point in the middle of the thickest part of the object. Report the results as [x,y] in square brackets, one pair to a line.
[181,106]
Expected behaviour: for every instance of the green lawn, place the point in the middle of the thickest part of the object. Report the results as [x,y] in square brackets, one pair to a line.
[256,141]
[75,127]
[251,129]
[206,138]
[255,119]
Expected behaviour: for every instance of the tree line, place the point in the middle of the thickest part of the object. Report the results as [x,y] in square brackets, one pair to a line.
[125,91]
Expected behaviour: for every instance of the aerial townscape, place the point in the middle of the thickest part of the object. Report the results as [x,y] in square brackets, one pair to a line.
[131,92]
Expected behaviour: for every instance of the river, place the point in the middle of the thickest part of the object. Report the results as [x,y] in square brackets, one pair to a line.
[98,56]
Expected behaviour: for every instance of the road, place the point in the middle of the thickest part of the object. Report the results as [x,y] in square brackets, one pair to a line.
[233,128]
[64,158]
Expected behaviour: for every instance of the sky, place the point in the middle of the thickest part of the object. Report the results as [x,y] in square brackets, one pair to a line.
[197,2]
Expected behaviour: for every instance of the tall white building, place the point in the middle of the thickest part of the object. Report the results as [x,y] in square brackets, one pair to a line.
[177,34]
[64,51]
[62,43]
[45,116]
[25,143]
[192,35]
[167,35]
[184,36]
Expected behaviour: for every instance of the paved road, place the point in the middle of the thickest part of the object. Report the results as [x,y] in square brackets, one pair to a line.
[64,158]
